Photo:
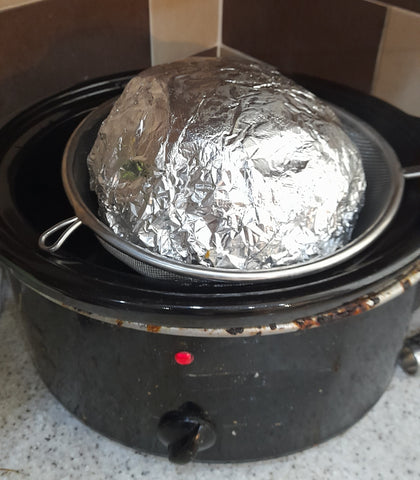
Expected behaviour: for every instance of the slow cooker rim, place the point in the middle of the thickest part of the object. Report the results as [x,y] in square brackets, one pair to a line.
[42,273]
[357,303]
[48,270]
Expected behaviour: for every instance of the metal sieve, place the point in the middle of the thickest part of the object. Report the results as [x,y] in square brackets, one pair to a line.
[385,184]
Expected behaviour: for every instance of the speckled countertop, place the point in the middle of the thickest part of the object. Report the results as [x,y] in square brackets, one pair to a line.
[39,439]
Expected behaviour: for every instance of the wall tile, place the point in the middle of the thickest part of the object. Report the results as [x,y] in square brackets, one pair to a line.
[337,41]
[51,45]
[6,4]
[210,52]
[413,5]
[397,78]
[180,28]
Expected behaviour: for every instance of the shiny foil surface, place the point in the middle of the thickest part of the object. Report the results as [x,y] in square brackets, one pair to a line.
[226,163]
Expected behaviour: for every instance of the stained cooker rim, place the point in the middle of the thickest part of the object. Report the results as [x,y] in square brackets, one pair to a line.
[73,278]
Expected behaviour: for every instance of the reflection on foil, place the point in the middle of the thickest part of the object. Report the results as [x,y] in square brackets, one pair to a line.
[226,163]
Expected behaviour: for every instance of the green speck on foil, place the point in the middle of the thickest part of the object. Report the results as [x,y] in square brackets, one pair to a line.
[133,169]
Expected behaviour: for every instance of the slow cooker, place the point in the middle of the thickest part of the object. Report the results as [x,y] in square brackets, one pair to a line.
[203,371]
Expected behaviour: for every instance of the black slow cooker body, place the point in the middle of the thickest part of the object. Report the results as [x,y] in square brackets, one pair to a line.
[268,369]
[264,396]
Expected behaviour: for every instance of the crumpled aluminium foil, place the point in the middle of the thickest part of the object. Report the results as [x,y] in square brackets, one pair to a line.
[226,163]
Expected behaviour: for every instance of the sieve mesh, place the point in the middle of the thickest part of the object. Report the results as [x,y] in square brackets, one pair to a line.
[382,197]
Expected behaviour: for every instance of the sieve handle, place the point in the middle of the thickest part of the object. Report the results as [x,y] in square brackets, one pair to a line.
[70,225]
[411,172]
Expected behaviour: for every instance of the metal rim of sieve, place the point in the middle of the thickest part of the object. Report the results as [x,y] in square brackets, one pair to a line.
[385,185]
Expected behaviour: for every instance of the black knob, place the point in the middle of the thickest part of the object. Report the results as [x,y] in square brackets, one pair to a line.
[185,432]
[409,357]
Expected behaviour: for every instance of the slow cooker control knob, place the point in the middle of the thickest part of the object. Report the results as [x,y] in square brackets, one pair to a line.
[409,357]
[185,432]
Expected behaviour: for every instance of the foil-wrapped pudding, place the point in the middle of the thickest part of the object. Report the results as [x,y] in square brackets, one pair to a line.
[226,163]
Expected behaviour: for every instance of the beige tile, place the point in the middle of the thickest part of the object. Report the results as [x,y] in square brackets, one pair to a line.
[397,77]
[182,27]
[7,4]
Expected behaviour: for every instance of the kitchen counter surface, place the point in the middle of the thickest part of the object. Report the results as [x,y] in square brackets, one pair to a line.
[39,439]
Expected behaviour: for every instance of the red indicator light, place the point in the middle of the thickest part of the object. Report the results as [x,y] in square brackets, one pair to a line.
[184,358]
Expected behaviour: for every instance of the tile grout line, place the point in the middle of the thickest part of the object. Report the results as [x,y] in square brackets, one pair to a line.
[381,47]
[152,49]
[238,53]
[219,29]
[4,6]
[378,2]
[396,7]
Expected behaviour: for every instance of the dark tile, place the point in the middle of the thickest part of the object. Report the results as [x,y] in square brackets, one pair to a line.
[48,46]
[336,41]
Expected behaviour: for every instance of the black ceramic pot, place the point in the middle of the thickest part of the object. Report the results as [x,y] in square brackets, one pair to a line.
[211,372]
